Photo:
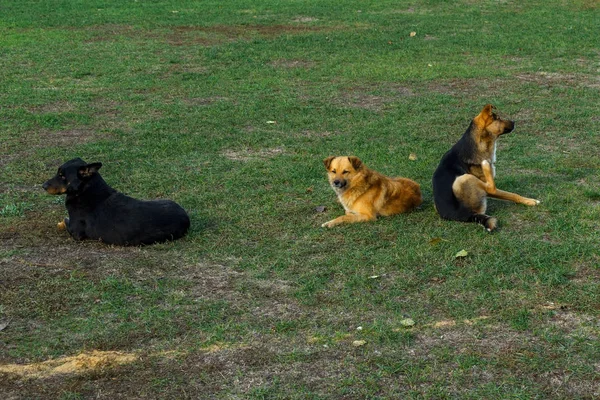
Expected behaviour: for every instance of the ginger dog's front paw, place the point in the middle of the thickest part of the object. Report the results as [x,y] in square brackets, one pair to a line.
[329,224]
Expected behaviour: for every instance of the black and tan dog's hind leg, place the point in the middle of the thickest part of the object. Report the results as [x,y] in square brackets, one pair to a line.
[471,192]
[495,193]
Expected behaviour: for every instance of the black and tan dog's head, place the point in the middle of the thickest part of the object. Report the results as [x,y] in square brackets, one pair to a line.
[488,124]
[341,170]
[71,176]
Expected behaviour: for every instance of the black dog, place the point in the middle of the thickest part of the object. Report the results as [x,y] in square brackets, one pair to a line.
[99,212]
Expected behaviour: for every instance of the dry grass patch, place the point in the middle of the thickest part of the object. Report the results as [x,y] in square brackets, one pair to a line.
[82,363]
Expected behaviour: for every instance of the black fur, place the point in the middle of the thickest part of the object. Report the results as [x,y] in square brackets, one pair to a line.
[453,164]
[99,212]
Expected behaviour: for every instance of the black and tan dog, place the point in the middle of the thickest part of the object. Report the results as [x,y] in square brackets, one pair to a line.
[366,194]
[99,212]
[465,177]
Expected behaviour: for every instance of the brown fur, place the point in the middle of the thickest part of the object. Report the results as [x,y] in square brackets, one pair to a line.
[365,193]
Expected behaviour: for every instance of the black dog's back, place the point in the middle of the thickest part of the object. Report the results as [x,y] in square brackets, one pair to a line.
[124,220]
[99,212]
[452,166]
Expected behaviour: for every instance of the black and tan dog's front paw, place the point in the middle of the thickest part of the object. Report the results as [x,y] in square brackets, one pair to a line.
[63,225]
[531,202]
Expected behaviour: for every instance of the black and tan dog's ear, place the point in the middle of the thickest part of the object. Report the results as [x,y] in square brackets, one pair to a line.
[356,163]
[328,161]
[485,117]
[88,170]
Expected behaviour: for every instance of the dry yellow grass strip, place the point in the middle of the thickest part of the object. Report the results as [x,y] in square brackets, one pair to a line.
[84,362]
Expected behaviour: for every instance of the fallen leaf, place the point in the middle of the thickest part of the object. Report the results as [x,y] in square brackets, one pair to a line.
[309,189]
[412,156]
[320,209]
[271,122]
[413,34]
[374,276]
[445,323]
[474,320]
[435,241]
[407,322]
[462,253]
[3,325]
[358,343]
[359,328]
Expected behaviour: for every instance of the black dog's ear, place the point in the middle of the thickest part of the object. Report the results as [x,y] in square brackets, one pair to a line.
[355,161]
[328,161]
[88,170]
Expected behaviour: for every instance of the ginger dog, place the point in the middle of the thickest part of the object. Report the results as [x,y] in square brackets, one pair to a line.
[366,194]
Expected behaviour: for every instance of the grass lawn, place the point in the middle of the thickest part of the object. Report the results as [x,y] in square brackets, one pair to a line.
[229,109]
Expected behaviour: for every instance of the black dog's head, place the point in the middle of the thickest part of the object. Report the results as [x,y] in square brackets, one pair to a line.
[70,176]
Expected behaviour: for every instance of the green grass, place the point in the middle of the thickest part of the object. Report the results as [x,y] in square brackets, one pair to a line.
[259,301]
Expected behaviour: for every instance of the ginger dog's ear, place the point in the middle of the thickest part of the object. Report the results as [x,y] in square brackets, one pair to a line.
[485,117]
[327,162]
[356,163]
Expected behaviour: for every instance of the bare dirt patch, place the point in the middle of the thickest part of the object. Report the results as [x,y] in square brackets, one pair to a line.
[204,101]
[563,79]
[251,154]
[110,32]
[27,144]
[211,35]
[359,97]
[67,137]
[314,134]
[305,19]
[37,249]
[54,107]
[575,324]
[286,63]
[466,87]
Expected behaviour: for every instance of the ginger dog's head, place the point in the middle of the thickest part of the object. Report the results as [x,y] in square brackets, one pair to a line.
[341,170]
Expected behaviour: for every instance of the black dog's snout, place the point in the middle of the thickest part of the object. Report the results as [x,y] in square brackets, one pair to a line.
[45,185]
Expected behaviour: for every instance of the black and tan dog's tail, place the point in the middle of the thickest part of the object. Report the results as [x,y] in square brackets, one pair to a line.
[489,223]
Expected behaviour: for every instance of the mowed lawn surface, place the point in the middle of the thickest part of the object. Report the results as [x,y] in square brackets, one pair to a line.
[229,109]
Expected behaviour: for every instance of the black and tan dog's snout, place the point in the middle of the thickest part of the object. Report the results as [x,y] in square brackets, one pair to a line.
[53,187]
[509,126]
